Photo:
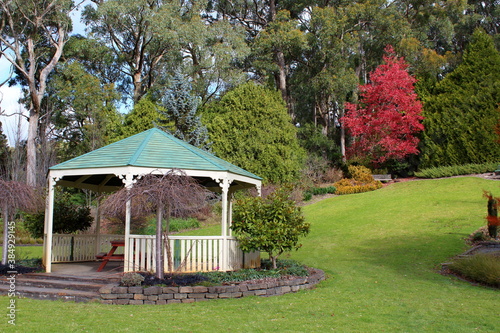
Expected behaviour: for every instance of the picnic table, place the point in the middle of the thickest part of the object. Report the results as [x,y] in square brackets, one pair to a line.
[106,257]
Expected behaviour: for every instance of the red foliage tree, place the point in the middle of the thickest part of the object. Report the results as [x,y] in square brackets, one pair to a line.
[383,125]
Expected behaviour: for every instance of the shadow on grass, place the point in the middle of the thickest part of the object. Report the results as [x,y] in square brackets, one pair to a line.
[418,257]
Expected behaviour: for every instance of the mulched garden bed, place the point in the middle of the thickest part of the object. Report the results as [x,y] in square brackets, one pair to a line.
[18,269]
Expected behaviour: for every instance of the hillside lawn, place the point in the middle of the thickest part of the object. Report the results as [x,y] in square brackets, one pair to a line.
[381,250]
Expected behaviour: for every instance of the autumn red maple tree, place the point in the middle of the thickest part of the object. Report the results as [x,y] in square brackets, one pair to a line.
[384,124]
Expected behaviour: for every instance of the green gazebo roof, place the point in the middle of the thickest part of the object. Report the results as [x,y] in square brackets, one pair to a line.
[105,169]
[152,149]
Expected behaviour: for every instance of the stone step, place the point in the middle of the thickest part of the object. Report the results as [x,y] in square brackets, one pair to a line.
[58,283]
[51,293]
[95,278]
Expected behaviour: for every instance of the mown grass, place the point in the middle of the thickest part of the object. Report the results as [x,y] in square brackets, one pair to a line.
[381,251]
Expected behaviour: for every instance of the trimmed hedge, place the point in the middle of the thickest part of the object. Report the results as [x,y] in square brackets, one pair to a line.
[456,170]
[318,191]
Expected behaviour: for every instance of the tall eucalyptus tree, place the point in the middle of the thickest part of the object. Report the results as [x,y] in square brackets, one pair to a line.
[32,37]
[143,34]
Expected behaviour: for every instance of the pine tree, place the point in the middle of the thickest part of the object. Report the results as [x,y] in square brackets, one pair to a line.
[385,122]
[180,108]
[462,116]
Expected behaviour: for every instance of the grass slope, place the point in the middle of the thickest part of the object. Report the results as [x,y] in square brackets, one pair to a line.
[381,251]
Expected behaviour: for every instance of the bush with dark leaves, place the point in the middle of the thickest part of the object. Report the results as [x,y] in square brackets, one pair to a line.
[174,280]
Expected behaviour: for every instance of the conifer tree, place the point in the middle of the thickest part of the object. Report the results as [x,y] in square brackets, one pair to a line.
[461,117]
[250,127]
[145,115]
[180,109]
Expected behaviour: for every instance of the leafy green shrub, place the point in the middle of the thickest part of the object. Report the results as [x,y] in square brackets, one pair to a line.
[68,217]
[456,170]
[318,191]
[478,236]
[273,224]
[131,279]
[307,196]
[240,275]
[361,181]
[284,268]
[481,267]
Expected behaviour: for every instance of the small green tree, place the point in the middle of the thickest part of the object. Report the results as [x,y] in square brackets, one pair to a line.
[272,224]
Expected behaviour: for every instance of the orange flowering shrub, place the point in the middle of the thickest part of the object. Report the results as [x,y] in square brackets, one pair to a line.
[361,181]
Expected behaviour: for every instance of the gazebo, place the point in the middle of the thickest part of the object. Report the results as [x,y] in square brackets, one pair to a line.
[120,164]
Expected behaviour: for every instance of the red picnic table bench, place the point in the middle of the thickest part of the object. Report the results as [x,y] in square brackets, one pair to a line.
[106,257]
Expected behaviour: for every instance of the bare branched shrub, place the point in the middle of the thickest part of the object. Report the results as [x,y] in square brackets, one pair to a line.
[333,175]
[170,194]
[13,196]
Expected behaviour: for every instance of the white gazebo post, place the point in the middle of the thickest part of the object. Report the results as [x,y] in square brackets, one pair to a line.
[224,184]
[48,226]
[127,256]
[98,225]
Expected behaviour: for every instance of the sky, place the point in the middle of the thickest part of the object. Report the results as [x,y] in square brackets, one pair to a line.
[9,96]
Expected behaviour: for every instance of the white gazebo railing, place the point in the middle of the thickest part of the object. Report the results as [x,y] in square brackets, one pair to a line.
[187,253]
[69,247]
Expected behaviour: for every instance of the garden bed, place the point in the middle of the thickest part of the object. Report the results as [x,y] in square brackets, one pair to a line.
[480,264]
[113,294]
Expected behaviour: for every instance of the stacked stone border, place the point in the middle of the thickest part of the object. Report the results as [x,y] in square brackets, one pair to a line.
[112,294]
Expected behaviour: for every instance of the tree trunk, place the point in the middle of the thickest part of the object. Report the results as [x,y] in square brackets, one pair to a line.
[170,265]
[5,248]
[342,137]
[281,81]
[31,169]
[137,77]
[159,243]
[273,261]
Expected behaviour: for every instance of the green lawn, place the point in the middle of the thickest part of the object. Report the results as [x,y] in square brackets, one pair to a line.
[381,251]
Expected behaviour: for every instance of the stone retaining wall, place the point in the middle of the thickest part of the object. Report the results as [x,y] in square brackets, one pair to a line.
[112,294]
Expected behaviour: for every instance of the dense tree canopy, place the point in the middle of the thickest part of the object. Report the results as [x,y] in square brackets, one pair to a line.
[250,127]
[146,114]
[461,117]
[315,53]
[82,109]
